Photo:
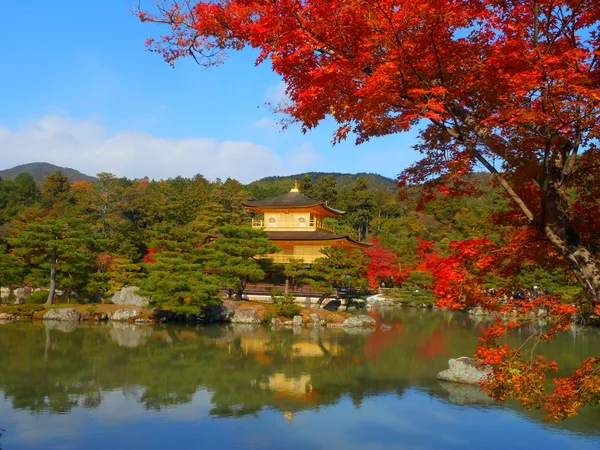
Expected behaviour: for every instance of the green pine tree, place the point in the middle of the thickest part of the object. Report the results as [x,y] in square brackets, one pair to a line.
[240,256]
[175,272]
[58,249]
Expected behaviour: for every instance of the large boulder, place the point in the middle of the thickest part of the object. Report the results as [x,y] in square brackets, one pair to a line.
[22,293]
[129,296]
[68,314]
[360,320]
[464,370]
[297,321]
[124,315]
[245,315]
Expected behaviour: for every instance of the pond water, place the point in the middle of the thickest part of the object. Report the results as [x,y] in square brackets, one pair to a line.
[91,386]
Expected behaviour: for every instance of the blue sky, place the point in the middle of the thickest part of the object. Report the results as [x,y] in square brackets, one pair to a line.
[79,89]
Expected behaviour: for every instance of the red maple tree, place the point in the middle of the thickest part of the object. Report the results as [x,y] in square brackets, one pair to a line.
[512,87]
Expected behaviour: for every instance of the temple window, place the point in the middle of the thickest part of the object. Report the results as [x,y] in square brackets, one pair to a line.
[302,221]
[272,221]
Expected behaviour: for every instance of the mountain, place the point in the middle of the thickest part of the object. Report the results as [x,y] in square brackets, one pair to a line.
[40,170]
[283,184]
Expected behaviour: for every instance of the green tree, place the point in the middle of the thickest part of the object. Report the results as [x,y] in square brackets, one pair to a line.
[57,249]
[211,215]
[55,187]
[296,272]
[11,270]
[175,272]
[360,207]
[240,256]
[306,185]
[231,194]
[340,271]
[325,189]
[113,273]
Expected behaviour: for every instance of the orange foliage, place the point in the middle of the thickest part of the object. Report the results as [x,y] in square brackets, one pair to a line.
[512,86]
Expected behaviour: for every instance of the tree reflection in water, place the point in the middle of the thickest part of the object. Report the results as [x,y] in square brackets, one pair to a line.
[54,367]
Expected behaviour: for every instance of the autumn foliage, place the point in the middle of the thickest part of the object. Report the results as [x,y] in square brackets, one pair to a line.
[510,87]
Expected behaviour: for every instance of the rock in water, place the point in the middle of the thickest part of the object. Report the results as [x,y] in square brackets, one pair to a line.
[463,370]
[68,314]
[297,321]
[123,315]
[129,296]
[6,316]
[245,315]
[360,321]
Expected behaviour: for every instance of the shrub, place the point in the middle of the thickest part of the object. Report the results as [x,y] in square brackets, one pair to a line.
[38,298]
[286,306]
[267,318]
[26,310]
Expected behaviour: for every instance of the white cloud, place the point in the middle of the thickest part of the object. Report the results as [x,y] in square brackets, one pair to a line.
[86,145]
[265,122]
[303,157]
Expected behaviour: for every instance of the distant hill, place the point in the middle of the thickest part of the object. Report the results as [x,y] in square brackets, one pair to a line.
[279,185]
[40,170]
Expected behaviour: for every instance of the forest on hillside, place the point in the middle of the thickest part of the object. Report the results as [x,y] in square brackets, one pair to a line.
[91,238]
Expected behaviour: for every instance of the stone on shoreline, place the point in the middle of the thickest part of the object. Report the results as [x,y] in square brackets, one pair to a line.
[6,316]
[129,296]
[22,293]
[68,314]
[245,315]
[360,320]
[464,370]
[124,315]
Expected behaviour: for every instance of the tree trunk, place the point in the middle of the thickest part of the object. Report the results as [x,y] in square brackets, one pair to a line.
[560,231]
[286,289]
[555,224]
[582,261]
[52,289]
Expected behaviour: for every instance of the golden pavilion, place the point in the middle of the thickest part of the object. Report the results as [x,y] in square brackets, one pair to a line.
[296,223]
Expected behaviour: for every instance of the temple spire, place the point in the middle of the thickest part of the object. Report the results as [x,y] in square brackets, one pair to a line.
[295,188]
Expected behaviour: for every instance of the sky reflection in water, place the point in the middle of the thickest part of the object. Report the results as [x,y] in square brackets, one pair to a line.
[122,386]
